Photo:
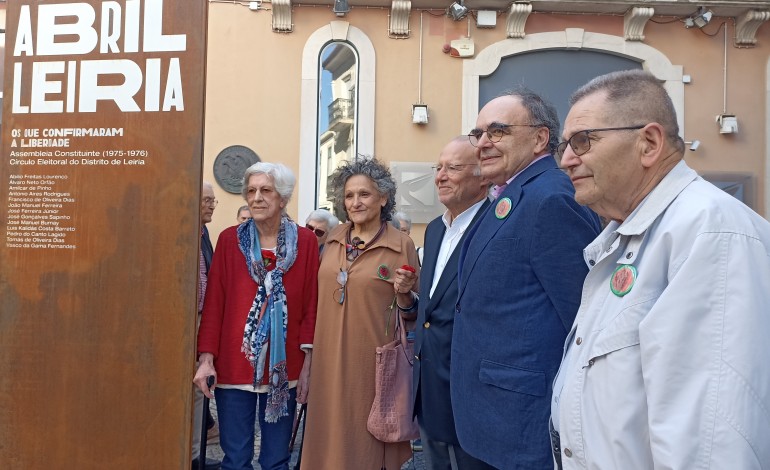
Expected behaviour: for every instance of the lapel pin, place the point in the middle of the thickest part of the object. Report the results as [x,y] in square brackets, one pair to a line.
[623,279]
[383,271]
[503,208]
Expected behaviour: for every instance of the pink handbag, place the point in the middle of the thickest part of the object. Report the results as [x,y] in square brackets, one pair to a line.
[390,419]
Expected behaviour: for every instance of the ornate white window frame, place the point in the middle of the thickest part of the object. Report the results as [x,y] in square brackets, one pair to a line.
[487,61]
[308,135]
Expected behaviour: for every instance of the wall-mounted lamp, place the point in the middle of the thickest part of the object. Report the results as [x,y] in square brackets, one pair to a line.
[700,18]
[420,113]
[341,7]
[457,11]
[728,123]
[693,144]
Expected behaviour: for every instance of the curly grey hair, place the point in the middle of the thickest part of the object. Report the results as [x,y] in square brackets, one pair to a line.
[372,169]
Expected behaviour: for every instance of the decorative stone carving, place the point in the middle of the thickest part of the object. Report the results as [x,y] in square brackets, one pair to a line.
[282,16]
[230,165]
[747,25]
[399,18]
[517,19]
[634,21]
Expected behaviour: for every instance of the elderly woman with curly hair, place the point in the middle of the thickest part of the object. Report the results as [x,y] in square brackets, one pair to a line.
[357,306]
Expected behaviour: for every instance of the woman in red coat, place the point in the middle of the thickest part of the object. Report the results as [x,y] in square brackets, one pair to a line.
[256,333]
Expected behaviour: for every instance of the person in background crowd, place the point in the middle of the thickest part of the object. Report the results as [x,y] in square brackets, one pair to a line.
[256,334]
[463,191]
[208,203]
[666,363]
[357,306]
[521,270]
[243,214]
[320,221]
[404,223]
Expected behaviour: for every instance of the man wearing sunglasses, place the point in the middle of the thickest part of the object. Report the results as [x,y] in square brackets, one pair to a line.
[320,221]
[521,270]
[666,364]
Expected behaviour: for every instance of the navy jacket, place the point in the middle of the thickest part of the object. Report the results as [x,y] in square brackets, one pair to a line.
[433,336]
[521,273]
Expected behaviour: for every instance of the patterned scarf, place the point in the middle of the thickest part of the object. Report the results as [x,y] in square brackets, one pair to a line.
[268,315]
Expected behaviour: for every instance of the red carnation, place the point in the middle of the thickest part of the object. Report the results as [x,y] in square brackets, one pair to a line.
[268,259]
[406,267]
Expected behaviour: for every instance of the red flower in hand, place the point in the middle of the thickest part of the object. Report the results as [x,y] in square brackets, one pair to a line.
[406,267]
[268,259]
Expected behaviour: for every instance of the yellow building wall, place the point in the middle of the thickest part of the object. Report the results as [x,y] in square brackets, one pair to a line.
[254,77]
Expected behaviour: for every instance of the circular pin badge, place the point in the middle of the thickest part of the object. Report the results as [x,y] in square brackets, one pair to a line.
[623,279]
[383,271]
[503,208]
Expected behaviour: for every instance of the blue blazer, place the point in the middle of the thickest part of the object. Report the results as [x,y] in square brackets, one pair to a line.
[433,336]
[521,274]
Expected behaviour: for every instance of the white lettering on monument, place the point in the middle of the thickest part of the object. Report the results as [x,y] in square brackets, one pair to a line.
[69,29]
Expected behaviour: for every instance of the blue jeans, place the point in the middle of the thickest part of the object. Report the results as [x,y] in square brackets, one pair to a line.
[237,412]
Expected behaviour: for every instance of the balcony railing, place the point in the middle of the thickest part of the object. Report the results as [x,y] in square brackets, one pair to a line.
[340,109]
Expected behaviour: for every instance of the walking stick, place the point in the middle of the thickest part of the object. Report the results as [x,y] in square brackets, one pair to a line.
[204,426]
[302,410]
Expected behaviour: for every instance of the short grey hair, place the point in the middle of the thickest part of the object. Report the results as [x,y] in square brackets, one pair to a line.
[541,112]
[400,217]
[635,97]
[325,216]
[372,169]
[240,209]
[283,178]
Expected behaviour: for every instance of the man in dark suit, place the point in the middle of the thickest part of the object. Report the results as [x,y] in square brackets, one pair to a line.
[463,192]
[521,272]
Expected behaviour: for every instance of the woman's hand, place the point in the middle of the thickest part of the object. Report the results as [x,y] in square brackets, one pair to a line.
[403,283]
[404,280]
[205,369]
[303,383]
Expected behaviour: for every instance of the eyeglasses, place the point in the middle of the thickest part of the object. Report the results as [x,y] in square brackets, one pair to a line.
[209,201]
[318,232]
[580,141]
[452,169]
[495,132]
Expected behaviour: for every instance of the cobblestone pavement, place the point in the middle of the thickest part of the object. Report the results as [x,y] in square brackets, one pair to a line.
[215,452]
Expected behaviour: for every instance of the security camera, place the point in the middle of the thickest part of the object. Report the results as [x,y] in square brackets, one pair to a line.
[694,144]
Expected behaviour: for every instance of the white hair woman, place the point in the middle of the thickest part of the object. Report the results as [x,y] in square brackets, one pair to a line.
[320,221]
[256,333]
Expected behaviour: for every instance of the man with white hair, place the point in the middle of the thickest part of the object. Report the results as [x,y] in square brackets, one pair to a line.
[404,223]
[208,203]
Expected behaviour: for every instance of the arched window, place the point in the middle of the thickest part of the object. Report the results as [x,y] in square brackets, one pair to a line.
[337,103]
[571,39]
[337,117]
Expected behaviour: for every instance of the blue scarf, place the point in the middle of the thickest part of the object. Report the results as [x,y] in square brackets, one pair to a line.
[268,315]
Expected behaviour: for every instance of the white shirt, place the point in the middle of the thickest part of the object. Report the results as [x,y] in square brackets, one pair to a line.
[454,232]
[674,374]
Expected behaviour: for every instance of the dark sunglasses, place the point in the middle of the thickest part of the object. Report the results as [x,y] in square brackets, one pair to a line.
[318,232]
